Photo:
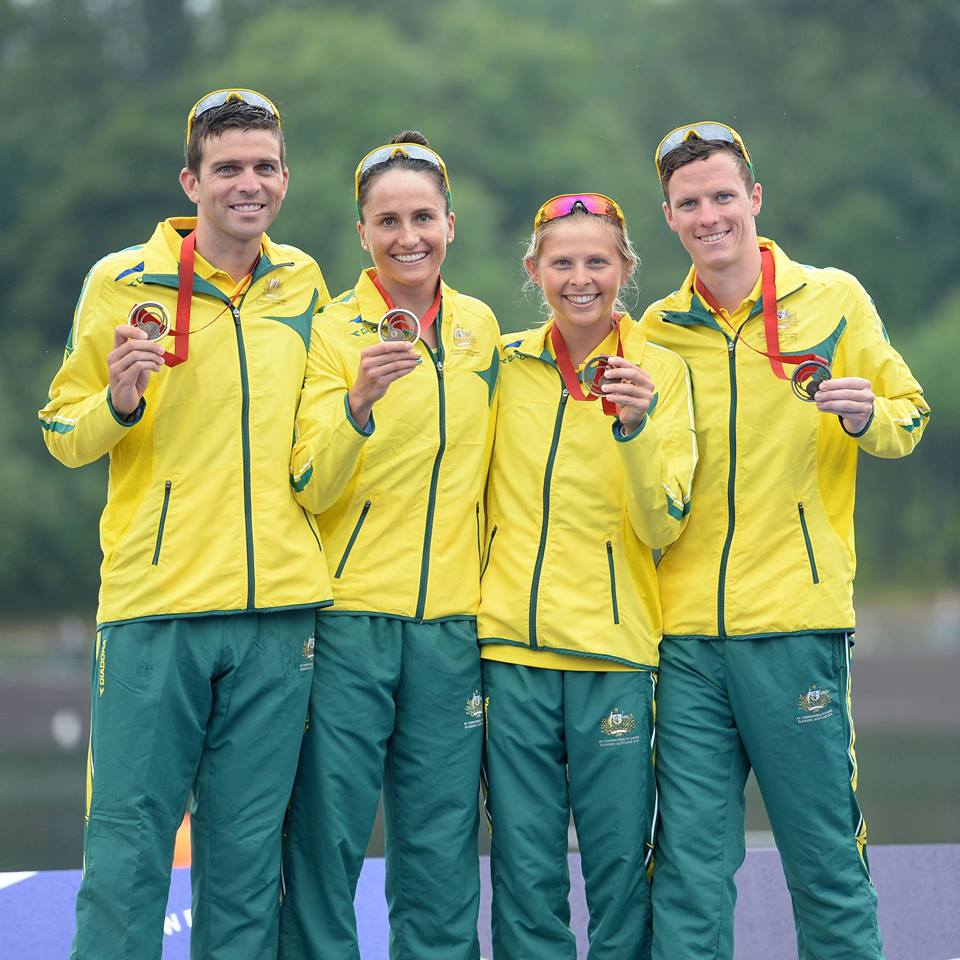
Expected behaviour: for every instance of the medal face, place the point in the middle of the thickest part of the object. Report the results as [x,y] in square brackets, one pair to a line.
[151,318]
[807,378]
[399,324]
[592,375]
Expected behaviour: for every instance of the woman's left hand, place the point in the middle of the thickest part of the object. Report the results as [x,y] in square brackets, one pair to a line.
[630,388]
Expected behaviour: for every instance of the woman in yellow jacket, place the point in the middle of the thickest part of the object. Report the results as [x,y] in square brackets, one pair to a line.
[393,445]
[580,495]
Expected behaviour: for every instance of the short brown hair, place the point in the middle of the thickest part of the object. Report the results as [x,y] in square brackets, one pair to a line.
[696,149]
[233,115]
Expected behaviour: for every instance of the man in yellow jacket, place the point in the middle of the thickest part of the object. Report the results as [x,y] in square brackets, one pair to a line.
[211,570]
[757,594]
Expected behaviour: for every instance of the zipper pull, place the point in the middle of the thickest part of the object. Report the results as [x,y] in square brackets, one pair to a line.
[440,369]
[564,394]
[730,345]
[236,314]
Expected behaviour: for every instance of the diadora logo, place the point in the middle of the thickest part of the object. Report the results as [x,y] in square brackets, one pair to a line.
[102,667]
[309,645]
[618,726]
[815,704]
[474,711]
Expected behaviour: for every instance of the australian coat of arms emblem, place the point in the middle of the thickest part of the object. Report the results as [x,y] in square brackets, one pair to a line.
[617,723]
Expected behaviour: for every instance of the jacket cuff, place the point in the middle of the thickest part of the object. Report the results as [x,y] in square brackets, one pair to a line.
[363,431]
[863,431]
[622,437]
[131,419]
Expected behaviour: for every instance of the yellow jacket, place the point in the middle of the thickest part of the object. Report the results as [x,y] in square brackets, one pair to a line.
[575,508]
[770,549]
[200,517]
[400,504]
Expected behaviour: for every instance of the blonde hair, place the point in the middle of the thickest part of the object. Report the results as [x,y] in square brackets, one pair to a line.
[625,249]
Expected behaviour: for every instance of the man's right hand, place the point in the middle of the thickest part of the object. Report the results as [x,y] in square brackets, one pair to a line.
[131,362]
[380,365]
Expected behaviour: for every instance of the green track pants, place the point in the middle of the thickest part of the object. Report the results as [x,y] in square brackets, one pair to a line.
[397,704]
[216,704]
[559,740]
[780,705]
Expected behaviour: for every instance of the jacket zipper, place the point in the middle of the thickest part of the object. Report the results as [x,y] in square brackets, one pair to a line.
[547,475]
[613,582]
[163,520]
[486,560]
[245,441]
[731,485]
[352,540]
[435,476]
[808,542]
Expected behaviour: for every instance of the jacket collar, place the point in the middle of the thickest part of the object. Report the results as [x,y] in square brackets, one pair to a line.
[372,306]
[534,342]
[694,311]
[161,258]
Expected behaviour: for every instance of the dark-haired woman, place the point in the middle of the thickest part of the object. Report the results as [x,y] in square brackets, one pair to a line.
[394,440]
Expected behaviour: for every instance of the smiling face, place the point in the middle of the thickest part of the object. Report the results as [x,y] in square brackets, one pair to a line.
[711,210]
[580,270]
[239,189]
[406,228]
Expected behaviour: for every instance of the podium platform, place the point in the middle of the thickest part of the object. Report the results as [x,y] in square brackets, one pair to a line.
[919,888]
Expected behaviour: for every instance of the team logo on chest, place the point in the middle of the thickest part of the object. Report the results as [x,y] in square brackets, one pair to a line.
[465,341]
[272,291]
[788,326]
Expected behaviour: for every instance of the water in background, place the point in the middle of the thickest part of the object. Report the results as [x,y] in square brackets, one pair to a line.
[906,681]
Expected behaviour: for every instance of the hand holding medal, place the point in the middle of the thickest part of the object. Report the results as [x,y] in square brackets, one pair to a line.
[135,356]
[620,382]
[394,357]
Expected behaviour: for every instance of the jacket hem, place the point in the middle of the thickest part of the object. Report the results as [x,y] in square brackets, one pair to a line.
[340,612]
[757,636]
[213,613]
[491,641]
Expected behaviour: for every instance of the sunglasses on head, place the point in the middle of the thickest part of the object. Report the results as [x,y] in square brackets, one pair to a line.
[413,151]
[565,204]
[220,97]
[707,130]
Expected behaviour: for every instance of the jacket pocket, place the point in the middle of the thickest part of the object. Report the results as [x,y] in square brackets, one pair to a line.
[613,582]
[808,543]
[486,559]
[479,546]
[167,487]
[353,539]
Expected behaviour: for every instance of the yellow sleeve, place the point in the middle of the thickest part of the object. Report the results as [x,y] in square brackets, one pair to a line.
[900,412]
[328,444]
[79,422]
[660,456]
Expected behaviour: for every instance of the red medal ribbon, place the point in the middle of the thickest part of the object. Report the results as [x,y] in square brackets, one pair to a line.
[768,291]
[426,321]
[181,336]
[570,379]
